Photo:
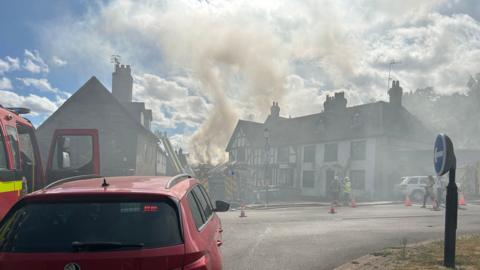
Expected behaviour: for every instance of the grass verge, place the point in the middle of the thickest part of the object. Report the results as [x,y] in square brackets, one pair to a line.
[427,256]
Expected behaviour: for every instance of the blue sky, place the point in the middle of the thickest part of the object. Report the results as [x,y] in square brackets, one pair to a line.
[202,65]
[20,22]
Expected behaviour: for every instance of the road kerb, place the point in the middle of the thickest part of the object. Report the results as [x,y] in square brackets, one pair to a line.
[316,204]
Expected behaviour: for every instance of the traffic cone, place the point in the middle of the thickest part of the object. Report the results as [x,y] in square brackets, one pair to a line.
[462,200]
[332,209]
[407,201]
[242,211]
[353,204]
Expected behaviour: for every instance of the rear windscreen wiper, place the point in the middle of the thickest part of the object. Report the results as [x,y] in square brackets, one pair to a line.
[99,246]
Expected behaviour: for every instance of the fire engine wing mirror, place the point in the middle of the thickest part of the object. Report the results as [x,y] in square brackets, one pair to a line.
[65,160]
[221,206]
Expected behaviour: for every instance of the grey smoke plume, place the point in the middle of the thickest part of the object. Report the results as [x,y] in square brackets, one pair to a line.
[245,54]
[238,64]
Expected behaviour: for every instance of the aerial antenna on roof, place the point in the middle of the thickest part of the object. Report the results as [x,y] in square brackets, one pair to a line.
[105,184]
[393,62]
[115,59]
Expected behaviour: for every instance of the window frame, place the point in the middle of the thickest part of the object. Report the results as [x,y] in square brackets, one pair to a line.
[56,152]
[205,220]
[16,166]
[357,143]
[325,159]
[314,153]
[192,195]
[413,181]
[5,152]
[196,189]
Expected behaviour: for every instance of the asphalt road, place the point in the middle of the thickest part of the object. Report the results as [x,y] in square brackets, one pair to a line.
[311,238]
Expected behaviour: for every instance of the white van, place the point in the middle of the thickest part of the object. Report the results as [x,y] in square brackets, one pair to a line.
[414,186]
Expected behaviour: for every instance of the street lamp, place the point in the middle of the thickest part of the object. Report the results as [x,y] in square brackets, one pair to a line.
[266,134]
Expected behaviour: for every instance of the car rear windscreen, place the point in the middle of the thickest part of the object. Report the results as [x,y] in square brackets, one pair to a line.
[55,226]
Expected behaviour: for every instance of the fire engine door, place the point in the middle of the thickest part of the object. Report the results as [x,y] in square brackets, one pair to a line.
[73,152]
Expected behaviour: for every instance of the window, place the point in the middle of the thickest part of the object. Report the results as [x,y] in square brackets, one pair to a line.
[331,151]
[309,153]
[423,180]
[203,203]
[195,209]
[27,156]
[413,181]
[358,150]
[53,226]
[13,138]
[283,153]
[205,194]
[285,177]
[357,177]
[3,153]
[308,180]
[72,152]
[26,146]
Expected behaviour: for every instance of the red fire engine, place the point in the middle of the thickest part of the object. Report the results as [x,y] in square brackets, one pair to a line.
[73,152]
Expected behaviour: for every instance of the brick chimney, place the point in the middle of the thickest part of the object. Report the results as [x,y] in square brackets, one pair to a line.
[122,83]
[336,103]
[395,93]
[275,111]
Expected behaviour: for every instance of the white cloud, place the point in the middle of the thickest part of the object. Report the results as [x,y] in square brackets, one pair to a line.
[5,83]
[38,105]
[34,63]
[9,64]
[40,84]
[59,62]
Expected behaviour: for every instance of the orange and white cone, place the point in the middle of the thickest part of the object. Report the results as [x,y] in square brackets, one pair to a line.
[461,201]
[332,209]
[242,211]
[353,204]
[407,201]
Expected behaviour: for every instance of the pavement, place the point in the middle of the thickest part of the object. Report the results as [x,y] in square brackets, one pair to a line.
[308,237]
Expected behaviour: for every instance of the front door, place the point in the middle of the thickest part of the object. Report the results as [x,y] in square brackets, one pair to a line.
[73,152]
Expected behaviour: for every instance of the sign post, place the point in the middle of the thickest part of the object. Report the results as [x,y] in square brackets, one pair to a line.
[444,161]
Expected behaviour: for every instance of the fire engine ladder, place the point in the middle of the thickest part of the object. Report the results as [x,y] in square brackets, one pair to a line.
[172,154]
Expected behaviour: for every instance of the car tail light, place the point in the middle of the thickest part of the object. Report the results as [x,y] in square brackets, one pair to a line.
[196,261]
[150,208]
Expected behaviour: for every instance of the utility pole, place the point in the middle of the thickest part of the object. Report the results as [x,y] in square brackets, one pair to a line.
[266,134]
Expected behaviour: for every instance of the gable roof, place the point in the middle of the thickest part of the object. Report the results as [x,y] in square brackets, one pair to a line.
[367,120]
[253,131]
[93,84]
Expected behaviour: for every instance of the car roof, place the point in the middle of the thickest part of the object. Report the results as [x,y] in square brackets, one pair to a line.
[153,185]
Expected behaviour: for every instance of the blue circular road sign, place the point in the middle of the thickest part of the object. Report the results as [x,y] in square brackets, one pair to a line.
[440,155]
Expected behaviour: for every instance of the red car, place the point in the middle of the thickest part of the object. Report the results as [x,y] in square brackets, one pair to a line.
[114,223]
